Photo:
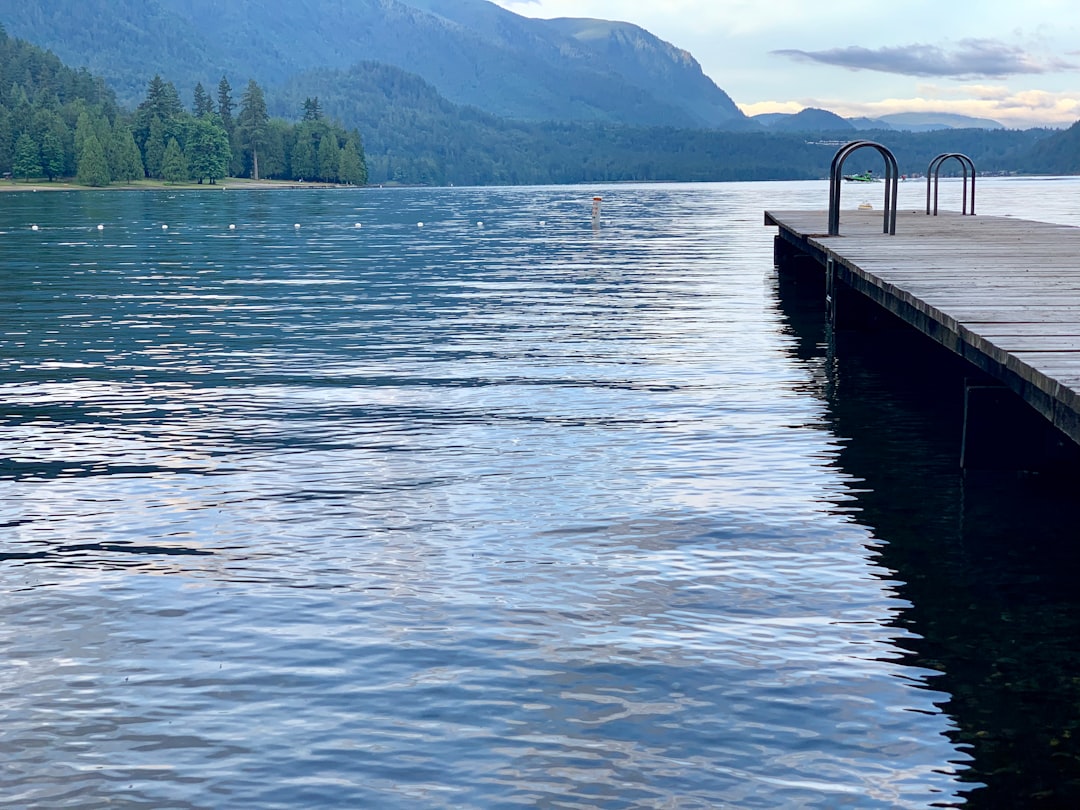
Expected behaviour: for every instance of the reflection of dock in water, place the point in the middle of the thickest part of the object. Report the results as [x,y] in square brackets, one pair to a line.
[988,562]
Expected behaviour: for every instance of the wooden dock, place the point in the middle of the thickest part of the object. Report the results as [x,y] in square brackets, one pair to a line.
[1003,293]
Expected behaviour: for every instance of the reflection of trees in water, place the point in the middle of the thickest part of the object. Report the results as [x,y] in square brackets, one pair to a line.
[989,563]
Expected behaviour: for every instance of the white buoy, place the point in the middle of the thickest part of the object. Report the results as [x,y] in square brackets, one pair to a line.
[232,227]
[33,227]
[297,225]
[543,223]
[419,224]
[164,227]
[479,224]
[101,227]
[358,225]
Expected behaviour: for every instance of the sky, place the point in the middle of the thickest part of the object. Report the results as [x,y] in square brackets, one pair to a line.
[1014,61]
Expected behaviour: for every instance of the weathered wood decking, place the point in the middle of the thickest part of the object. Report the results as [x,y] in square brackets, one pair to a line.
[1003,293]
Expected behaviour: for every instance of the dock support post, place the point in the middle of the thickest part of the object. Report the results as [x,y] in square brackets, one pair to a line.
[847,309]
[790,256]
[783,252]
[830,290]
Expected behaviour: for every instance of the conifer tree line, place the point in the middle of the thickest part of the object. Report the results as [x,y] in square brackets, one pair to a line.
[56,122]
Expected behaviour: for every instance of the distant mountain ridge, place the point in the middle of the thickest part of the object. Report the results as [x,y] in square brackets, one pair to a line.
[810,119]
[815,120]
[472,51]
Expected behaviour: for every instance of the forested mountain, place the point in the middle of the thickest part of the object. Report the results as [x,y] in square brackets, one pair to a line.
[414,135]
[1059,153]
[472,51]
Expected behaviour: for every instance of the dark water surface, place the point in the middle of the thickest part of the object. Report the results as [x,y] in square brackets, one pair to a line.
[527,514]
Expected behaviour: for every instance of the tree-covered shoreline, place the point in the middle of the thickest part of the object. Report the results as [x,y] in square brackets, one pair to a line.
[59,123]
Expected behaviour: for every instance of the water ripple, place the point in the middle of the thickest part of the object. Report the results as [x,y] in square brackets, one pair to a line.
[529,515]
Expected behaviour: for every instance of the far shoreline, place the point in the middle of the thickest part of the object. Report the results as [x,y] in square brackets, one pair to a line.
[230,184]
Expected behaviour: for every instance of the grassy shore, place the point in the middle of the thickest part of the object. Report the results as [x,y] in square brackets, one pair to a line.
[229,183]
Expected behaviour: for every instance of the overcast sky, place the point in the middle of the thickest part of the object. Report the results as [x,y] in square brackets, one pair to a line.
[1015,61]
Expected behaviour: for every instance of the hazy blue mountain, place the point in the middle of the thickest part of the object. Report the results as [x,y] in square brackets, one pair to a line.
[810,119]
[768,119]
[815,120]
[929,121]
[870,123]
[471,51]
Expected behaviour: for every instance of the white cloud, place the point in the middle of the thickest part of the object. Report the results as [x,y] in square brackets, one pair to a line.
[1016,110]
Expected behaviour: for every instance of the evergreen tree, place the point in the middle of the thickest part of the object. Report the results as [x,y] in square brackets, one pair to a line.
[7,142]
[351,169]
[154,154]
[225,105]
[93,168]
[161,100]
[162,103]
[174,168]
[356,143]
[85,126]
[112,146]
[236,164]
[312,110]
[303,156]
[203,105]
[49,132]
[27,162]
[329,159]
[52,155]
[21,112]
[252,124]
[125,164]
[272,161]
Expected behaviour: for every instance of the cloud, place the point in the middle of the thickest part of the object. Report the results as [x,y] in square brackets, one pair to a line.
[1023,109]
[972,58]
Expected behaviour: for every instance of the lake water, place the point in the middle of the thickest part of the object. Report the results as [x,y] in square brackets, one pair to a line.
[331,509]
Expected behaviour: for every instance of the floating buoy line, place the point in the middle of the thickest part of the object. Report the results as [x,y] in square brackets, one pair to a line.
[296,225]
[480,224]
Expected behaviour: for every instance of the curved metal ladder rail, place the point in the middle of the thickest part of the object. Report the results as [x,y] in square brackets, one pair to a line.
[892,176]
[933,173]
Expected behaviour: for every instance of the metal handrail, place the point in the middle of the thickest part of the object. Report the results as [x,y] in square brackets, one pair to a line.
[933,173]
[892,177]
